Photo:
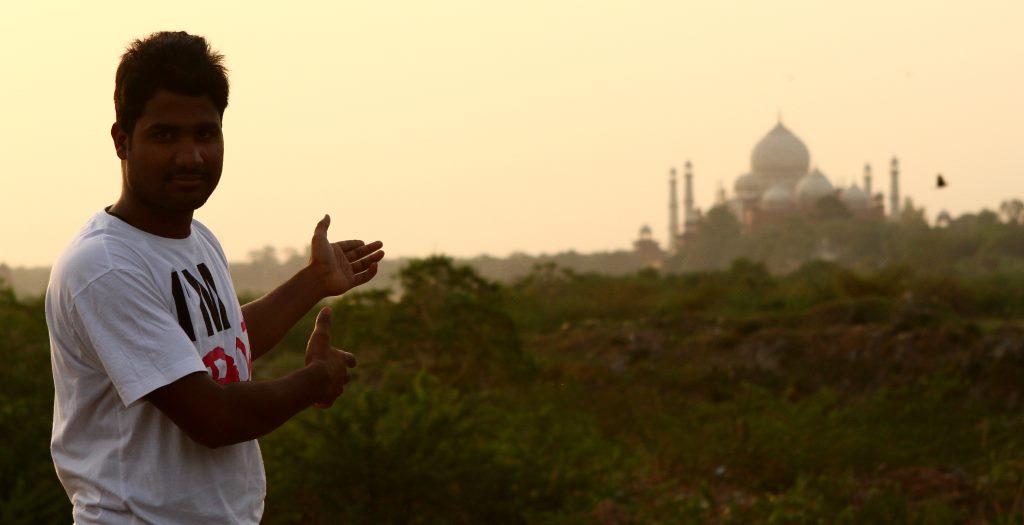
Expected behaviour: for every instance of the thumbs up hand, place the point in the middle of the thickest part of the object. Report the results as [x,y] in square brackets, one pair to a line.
[337,362]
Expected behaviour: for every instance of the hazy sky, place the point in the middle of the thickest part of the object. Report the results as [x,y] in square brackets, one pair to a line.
[469,127]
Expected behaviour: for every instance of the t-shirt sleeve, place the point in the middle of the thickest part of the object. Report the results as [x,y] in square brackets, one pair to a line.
[135,336]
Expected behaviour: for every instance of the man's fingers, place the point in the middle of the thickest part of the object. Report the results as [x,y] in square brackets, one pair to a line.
[370,249]
[350,359]
[362,277]
[367,263]
[350,244]
[374,257]
[333,393]
[355,250]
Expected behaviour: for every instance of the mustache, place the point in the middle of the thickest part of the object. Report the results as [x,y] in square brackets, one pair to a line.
[189,172]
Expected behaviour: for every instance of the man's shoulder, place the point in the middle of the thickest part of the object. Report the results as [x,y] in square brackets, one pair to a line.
[98,248]
[205,235]
[203,232]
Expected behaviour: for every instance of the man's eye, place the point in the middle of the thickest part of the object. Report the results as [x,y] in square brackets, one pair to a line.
[162,135]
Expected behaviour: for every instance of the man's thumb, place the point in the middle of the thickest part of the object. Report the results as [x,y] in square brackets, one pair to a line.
[321,227]
[323,322]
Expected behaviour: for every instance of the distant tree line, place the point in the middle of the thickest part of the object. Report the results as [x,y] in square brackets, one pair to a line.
[973,243]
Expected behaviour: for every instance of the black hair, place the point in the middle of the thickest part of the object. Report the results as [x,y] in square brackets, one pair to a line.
[175,61]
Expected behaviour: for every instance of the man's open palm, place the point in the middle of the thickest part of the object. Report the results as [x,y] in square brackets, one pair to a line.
[344,264]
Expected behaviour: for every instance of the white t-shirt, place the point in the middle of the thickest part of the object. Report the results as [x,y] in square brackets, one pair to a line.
[130,312]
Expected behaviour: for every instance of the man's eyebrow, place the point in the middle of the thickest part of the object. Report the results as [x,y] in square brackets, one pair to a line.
[167,126]
[162,126]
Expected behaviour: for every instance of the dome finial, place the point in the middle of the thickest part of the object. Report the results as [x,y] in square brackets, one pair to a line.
[779,115]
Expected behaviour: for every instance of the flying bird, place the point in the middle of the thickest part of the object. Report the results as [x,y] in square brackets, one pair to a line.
[940,182]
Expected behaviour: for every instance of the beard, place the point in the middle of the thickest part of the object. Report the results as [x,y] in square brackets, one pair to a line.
[178,190]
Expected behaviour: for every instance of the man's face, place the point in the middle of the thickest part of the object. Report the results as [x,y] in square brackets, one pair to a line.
[175,154]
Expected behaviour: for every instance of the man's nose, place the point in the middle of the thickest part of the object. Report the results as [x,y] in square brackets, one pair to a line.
[189,153]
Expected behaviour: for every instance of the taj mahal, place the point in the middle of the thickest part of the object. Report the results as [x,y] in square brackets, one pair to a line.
[780,185]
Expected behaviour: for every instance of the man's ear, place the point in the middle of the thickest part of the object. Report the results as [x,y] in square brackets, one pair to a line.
[120,140]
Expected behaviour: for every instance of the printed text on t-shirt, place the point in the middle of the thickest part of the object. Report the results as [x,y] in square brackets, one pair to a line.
[220,363]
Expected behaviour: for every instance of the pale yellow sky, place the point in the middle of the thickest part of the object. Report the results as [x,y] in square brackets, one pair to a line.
[469,127]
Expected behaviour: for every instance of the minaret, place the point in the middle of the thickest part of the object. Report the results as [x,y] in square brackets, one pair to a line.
[867,182]
[720,197]
[688,213]
[894,191]
[673,213]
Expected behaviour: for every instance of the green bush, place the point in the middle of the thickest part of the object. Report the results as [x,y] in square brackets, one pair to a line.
[426,453]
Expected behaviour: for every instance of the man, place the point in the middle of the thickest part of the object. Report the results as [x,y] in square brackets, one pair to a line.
[156,415]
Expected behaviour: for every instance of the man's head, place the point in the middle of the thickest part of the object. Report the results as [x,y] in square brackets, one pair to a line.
[174,61]
[170,94]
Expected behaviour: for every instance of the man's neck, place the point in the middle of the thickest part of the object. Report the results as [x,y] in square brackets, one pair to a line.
[163,223]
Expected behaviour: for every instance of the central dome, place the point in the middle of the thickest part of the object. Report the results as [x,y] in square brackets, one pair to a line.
[780,158]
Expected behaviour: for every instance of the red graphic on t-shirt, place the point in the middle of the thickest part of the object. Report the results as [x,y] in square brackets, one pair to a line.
[240,346]
[216,359]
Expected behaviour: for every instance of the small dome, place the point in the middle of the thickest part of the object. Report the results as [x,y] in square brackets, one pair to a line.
[747,187]
[777,198]
[780,154]
[854,198]
[645,232]
[812,187]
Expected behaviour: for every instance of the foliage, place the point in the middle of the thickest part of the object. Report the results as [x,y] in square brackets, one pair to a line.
[881,386]
[450,322]
[426,453]
[29,491]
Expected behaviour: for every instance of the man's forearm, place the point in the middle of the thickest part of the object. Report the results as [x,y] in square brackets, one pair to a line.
[269,318]
[219,415]
[257,408]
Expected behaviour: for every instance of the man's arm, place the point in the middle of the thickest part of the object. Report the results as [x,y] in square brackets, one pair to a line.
[216,415]
[268,318]
[333,269]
